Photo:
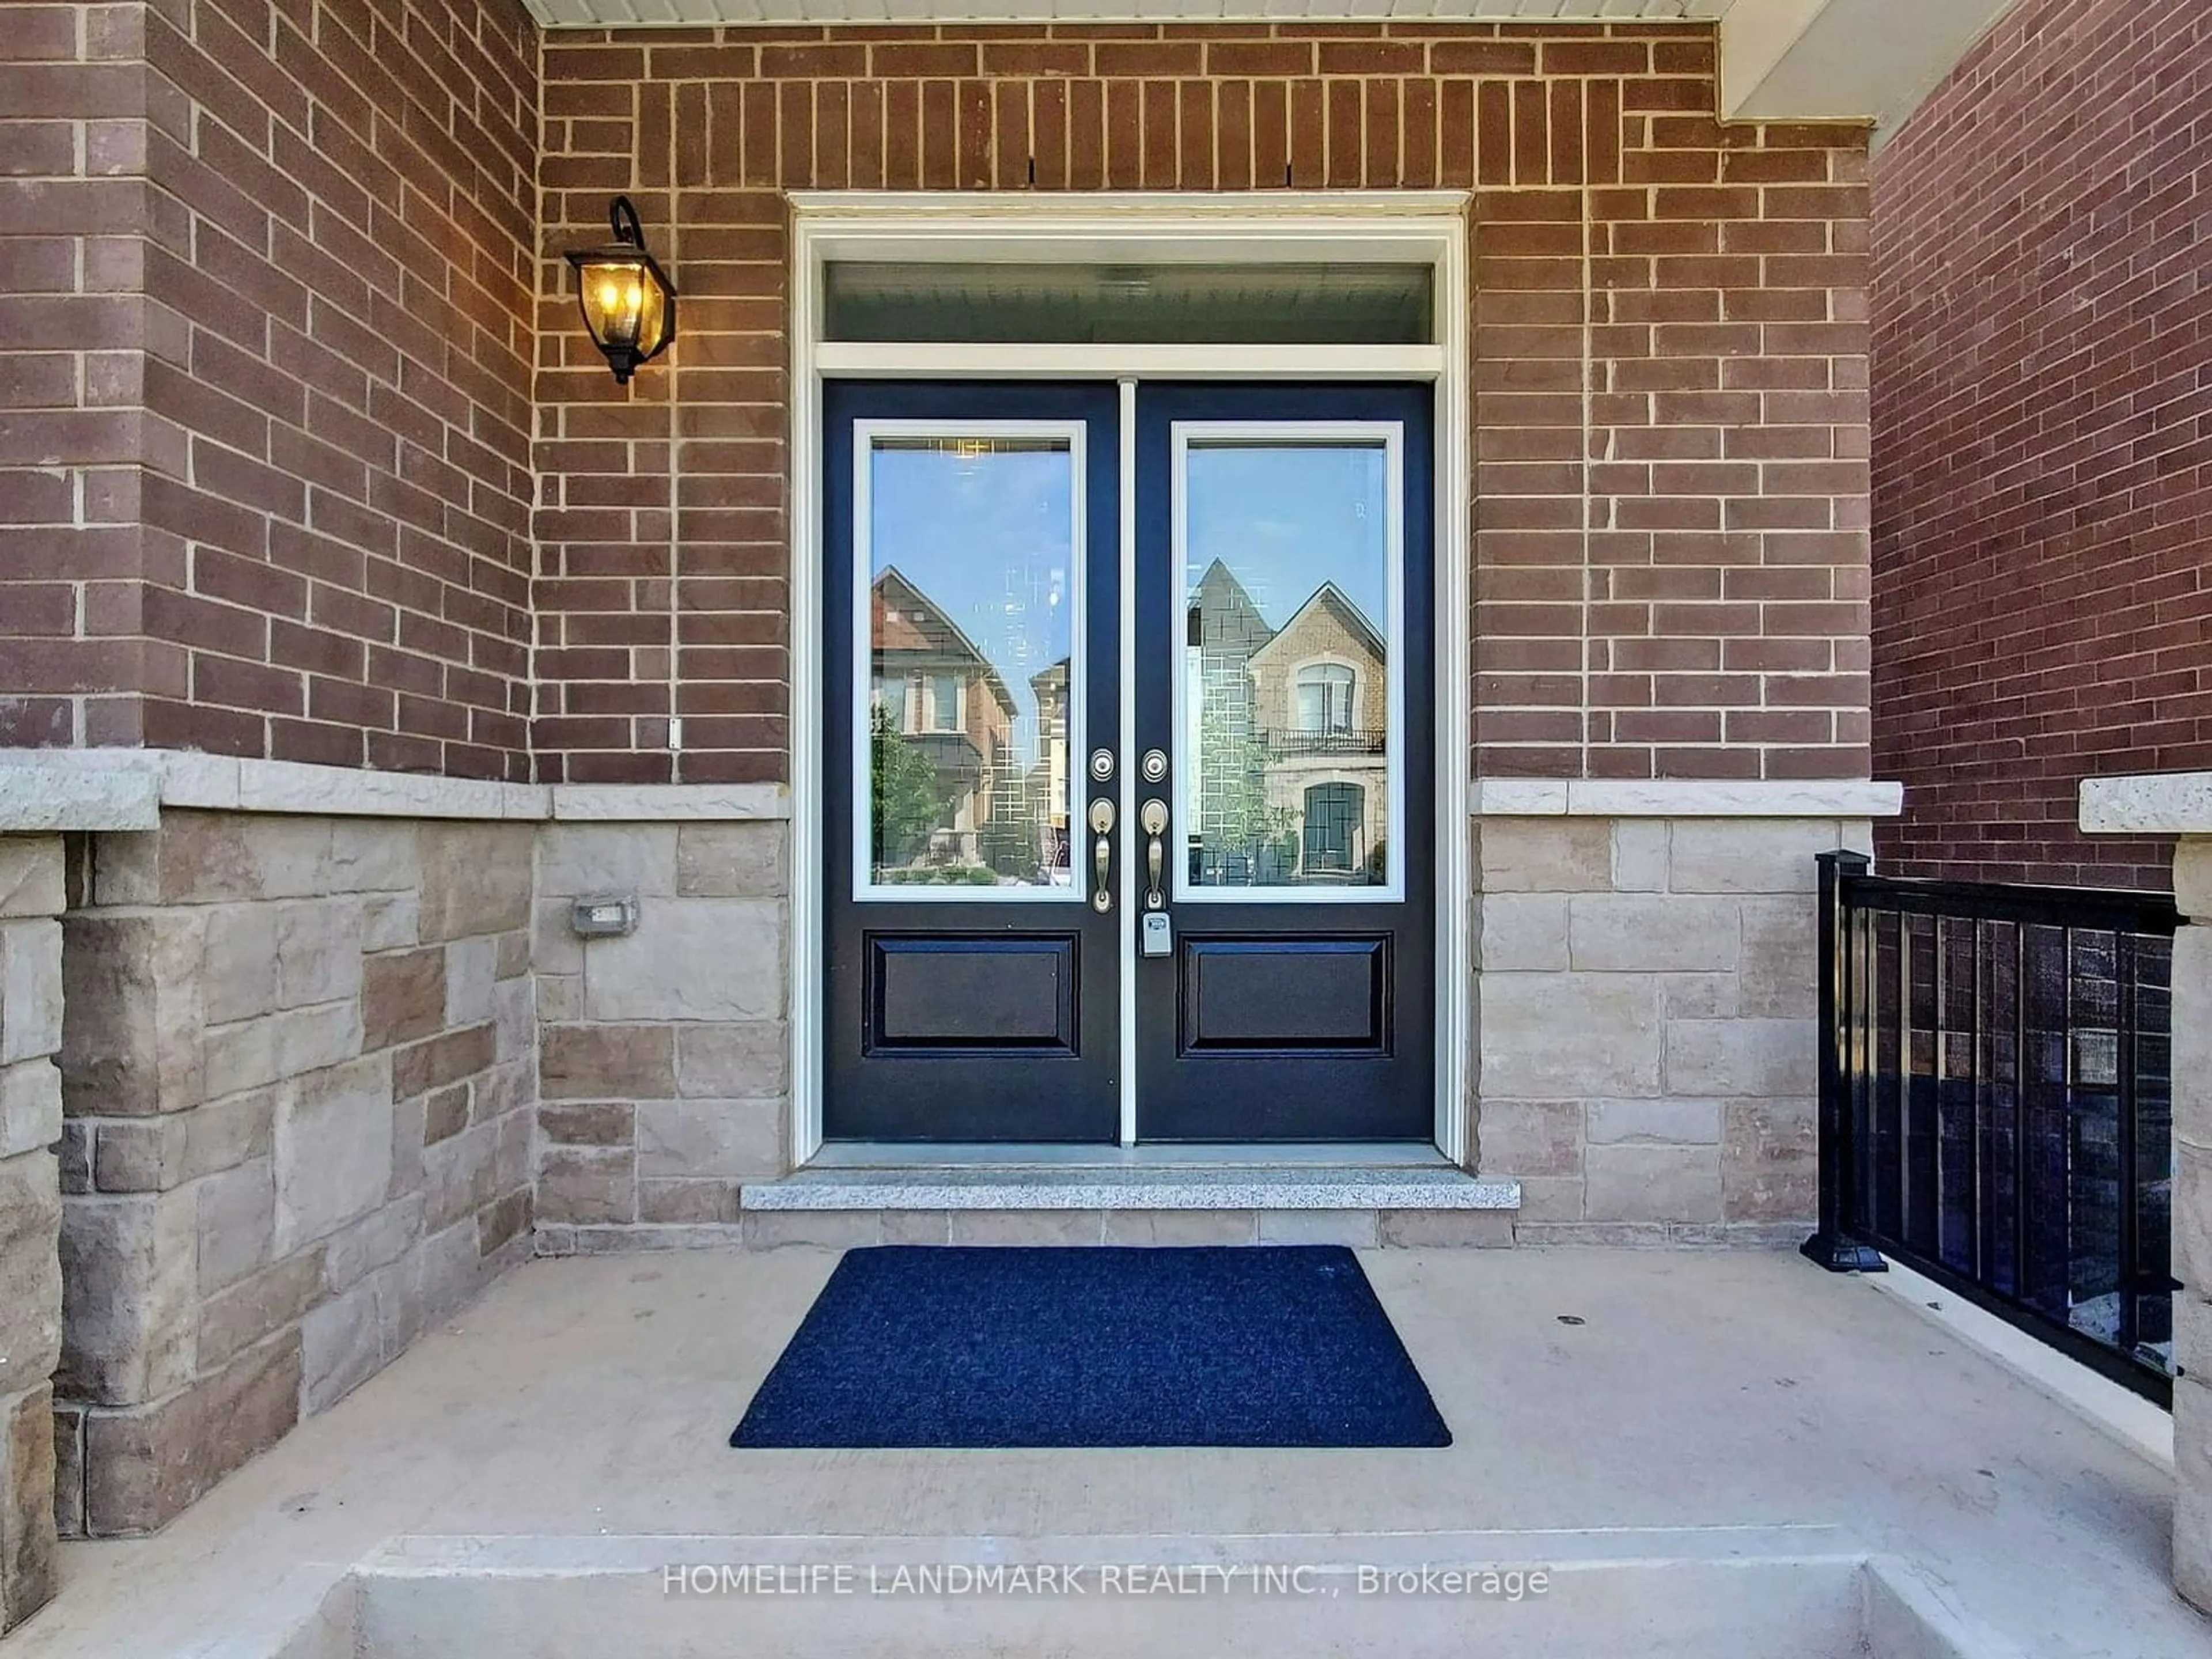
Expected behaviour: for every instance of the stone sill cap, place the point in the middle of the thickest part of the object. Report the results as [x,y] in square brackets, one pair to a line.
[1685,798]
[2148,804]
[223,783]
[227,784]
[38,799]
[1040,1188]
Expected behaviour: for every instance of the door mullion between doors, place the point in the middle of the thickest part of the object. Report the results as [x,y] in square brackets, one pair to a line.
[1124,930]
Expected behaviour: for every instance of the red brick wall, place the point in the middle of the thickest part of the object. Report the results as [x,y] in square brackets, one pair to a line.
[307,403]
[292,517]
[1671,555]
[70,316]
[2042,480]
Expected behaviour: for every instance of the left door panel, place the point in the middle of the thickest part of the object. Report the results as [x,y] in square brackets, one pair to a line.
[971,552]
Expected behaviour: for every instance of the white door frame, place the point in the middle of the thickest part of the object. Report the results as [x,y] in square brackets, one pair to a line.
[1421,227]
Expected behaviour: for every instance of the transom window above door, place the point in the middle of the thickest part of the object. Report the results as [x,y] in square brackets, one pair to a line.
[1284,304]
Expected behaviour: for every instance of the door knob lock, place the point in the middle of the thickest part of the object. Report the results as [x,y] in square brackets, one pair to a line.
[1102,854]
[1154,817]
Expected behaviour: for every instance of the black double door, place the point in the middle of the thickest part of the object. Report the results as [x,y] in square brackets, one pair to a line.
[1172,822]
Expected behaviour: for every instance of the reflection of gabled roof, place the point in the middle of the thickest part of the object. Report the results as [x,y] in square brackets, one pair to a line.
[1227,618]
[904,619]
[1331,599]
[1050,678]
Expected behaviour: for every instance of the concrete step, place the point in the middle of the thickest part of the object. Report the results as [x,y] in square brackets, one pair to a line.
[1360,1205]
[1781,1593]
[1346,1187]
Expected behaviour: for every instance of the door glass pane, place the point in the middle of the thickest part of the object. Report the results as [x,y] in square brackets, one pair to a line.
[1290,582]
[971,559]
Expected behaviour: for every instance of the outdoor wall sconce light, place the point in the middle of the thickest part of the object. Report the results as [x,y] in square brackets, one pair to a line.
[629,304]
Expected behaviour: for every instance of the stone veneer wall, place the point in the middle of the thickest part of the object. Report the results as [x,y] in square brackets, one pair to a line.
[664,1055]
[30,893]
[298,1069]
[1644,1003]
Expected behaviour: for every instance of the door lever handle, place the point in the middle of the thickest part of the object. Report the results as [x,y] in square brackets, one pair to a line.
[1101,855]
[1154,817]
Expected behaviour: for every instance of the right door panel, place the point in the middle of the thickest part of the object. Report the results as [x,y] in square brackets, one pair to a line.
[1284,638]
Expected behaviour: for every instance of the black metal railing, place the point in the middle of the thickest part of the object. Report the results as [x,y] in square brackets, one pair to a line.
[1996,1102]
[1291,741]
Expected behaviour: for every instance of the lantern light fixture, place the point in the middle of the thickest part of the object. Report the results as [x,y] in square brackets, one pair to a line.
[629,303]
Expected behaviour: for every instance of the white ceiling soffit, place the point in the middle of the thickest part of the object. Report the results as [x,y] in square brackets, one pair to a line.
[1863,60]
[625,14]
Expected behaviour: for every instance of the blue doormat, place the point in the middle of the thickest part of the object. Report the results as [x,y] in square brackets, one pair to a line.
[930,1345]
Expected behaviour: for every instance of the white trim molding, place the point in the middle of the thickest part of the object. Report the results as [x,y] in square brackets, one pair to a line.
[891,361]
[1683,798]
[1425,228]
[2148,804]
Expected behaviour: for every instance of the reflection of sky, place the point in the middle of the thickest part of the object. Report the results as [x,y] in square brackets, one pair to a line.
[988,539]
[1284,521]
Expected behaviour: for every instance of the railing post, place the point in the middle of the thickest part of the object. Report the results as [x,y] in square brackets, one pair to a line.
[1831,1246]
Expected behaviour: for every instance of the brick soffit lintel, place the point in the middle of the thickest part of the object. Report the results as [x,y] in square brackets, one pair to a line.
[1871,61]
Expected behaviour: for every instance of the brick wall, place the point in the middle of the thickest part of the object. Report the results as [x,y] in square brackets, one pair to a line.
[71,318]
[293,393]
[294,519]
[2043,603]
[1671,559]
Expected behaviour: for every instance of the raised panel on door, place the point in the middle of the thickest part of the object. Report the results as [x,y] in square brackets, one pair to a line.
[1284,642]
[970,542]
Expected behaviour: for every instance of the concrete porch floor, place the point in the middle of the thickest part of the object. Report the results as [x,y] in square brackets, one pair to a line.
[593,1397]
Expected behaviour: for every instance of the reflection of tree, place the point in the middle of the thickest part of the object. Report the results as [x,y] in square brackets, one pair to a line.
[907,803]
[1239,821]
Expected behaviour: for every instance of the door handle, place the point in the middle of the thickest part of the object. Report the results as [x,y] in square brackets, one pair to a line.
[1154,820]
[1102,854]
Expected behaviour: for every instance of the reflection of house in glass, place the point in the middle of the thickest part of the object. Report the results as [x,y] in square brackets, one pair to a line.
[951,797]
[1048,777]
[1288,725]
